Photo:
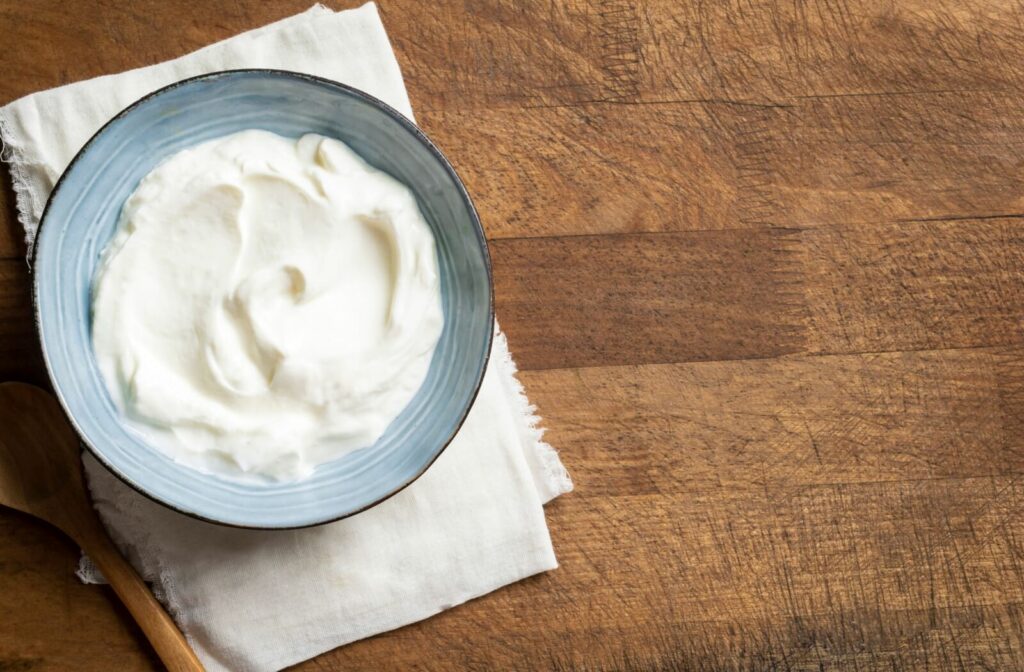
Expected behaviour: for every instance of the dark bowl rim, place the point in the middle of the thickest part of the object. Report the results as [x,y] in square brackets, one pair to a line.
[346,90]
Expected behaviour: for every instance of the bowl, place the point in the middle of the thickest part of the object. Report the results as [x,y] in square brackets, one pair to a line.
[82,215]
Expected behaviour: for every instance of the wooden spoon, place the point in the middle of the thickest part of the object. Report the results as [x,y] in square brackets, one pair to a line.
[41,475]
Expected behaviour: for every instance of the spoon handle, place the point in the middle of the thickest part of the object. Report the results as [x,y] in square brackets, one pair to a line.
[161,631]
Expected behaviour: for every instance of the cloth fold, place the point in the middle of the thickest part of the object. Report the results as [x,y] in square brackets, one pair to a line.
[253,600]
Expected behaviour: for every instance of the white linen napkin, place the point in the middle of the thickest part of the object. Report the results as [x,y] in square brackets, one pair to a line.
[251,600]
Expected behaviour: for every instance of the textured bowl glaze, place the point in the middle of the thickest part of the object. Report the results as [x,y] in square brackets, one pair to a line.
[83,212]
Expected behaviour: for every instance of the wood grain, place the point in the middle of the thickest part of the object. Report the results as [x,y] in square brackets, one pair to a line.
[761,264]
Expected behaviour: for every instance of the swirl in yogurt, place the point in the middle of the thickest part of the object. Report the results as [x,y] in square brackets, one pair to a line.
[266,305]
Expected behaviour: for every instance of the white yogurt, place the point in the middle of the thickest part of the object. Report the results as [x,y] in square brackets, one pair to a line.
[266,305]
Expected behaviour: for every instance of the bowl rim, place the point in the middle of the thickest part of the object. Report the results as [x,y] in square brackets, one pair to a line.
[344,89]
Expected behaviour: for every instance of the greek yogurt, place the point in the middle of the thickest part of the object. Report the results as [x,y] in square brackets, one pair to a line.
[266,304]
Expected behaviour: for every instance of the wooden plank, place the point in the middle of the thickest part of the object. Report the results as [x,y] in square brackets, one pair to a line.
[588,301]
[859,511]
[869,159]
[523,54]
[491,54]
[788,424]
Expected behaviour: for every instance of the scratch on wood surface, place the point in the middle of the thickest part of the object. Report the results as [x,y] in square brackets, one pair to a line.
[1011,391]
[619,48]
[752,130]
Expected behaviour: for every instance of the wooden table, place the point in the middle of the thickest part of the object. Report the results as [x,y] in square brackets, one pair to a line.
[761,266]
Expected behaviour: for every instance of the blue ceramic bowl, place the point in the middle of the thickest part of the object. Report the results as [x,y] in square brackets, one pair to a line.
[83,212]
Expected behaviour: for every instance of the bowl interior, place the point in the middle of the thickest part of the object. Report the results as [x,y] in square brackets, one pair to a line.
[83,213]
